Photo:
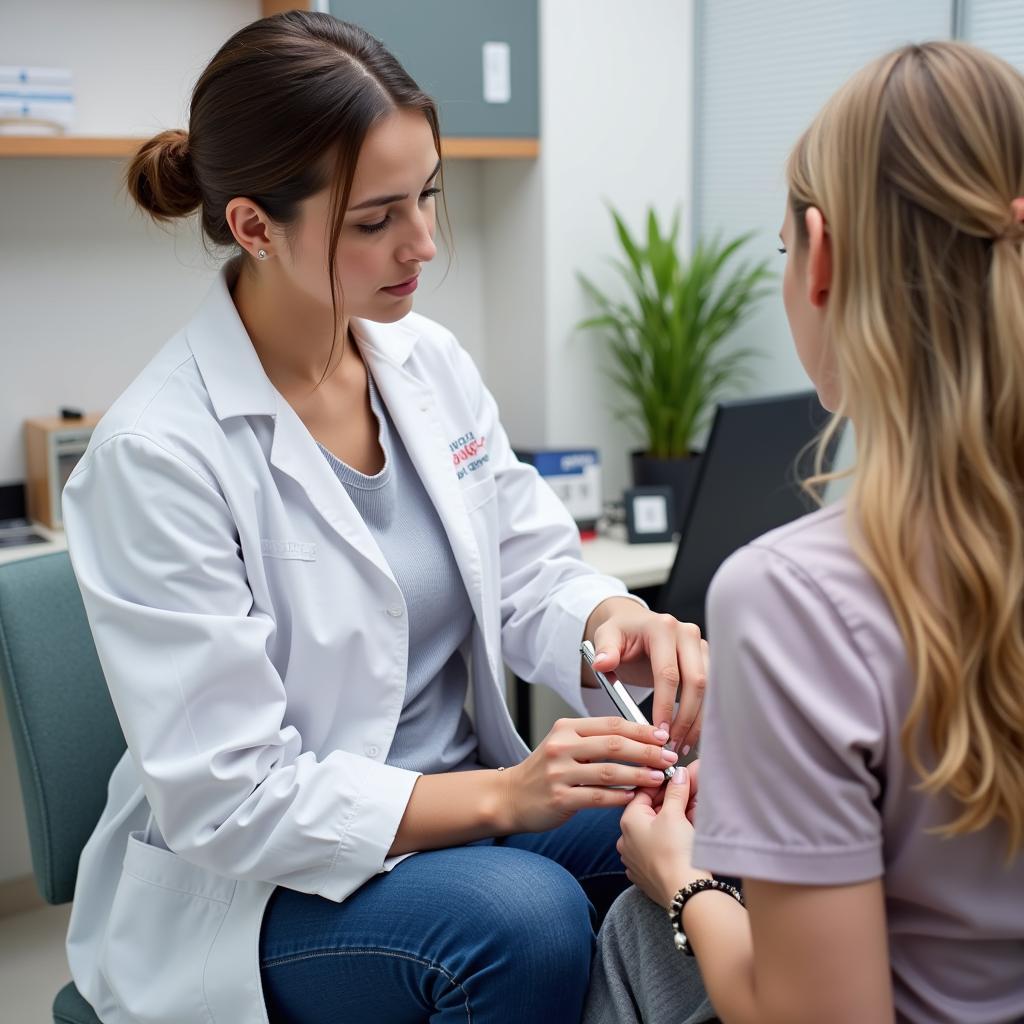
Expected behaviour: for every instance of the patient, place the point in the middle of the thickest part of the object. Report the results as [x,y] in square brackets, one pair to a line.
[863,752]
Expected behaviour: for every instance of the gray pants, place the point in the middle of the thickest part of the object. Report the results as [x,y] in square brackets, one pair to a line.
[639,977]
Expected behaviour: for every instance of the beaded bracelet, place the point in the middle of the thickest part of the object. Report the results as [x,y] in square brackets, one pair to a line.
[675,910]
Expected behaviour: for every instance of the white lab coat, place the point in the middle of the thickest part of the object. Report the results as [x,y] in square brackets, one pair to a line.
[255,645]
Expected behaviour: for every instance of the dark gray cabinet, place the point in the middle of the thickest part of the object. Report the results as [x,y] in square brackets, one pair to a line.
[441,44]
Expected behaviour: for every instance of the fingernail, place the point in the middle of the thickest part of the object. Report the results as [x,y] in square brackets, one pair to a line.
[661,735]
[657,776]
[669,756]
[600,657]
[671,746]
[680,776]
[663,727]
[686,749]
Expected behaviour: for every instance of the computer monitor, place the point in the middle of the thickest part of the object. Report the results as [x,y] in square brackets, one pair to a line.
[747,483]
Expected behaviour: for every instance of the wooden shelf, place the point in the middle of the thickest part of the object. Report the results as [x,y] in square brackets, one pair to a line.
[490,149]
[117,148]
[67,145]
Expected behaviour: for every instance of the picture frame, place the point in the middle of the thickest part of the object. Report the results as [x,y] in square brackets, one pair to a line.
[649,514]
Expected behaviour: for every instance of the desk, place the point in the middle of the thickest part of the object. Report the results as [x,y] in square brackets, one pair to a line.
[54,542]
[637,565]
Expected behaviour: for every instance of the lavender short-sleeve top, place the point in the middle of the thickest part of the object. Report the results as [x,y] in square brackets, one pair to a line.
[803,779]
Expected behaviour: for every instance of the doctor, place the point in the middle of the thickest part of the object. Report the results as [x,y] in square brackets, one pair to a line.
[303,540]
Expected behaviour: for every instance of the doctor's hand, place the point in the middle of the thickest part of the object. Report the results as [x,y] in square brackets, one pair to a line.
[646,649]
[572,769]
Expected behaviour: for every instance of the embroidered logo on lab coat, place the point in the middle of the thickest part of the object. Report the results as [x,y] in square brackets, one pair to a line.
[468,453]
[288,549]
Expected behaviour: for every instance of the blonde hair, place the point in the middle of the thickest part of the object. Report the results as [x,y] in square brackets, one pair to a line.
[914,165]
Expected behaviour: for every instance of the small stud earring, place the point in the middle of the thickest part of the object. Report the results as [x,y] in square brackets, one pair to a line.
[262,254]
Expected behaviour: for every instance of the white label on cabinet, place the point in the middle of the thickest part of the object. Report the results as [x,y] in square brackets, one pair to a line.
[497,79]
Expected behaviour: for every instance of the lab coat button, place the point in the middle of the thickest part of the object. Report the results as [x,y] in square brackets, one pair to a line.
[395,613]
[372,750]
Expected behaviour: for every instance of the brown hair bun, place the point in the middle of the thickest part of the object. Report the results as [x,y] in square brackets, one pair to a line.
[161,179]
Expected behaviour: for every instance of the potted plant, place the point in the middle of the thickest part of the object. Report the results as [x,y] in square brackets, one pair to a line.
[666,339]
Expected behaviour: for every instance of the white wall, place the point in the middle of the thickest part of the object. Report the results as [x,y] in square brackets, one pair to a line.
[615,120]
[616,98]
[515,290]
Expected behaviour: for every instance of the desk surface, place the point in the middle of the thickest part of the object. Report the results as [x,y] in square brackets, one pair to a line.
[54,542]
[637,565]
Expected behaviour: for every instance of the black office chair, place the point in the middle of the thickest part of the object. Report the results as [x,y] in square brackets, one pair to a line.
[748,483]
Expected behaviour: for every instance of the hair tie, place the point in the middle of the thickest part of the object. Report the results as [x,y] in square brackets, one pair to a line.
[1014,231]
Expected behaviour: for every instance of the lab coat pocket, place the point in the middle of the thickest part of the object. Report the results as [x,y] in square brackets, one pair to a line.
[478,494]
[163,922]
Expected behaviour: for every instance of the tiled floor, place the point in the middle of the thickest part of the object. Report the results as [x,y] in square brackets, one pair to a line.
[32,964]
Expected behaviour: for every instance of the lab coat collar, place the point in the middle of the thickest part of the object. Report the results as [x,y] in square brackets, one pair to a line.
[231,370]
[392,343]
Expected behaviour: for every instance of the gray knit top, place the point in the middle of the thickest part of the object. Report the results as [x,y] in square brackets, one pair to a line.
[434,732]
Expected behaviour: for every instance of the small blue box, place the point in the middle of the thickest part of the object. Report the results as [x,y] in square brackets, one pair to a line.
[574,474]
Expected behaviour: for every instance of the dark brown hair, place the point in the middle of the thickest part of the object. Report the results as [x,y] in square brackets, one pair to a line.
[280,112]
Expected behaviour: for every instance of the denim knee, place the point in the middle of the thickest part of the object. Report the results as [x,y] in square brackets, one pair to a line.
[497,935]
[531,915]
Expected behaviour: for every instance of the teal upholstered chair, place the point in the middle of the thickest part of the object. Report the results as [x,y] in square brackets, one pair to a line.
[66,736]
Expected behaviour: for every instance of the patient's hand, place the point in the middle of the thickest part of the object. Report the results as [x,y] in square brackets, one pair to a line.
[655,845]
[658,795]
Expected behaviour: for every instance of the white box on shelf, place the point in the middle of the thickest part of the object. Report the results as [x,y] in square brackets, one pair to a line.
[20,116]
[34,100]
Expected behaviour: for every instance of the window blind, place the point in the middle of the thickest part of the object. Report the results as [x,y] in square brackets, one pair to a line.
[762,71]
[996,25]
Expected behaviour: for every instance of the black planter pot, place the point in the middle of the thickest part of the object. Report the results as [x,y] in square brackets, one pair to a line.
[679,474]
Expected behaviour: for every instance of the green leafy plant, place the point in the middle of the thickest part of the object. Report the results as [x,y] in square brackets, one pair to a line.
[666,338]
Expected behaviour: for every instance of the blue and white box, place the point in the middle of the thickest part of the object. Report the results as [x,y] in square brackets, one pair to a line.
[574,474]
[36,99]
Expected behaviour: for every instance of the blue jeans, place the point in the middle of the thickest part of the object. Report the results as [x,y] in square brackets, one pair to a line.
[500,930]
